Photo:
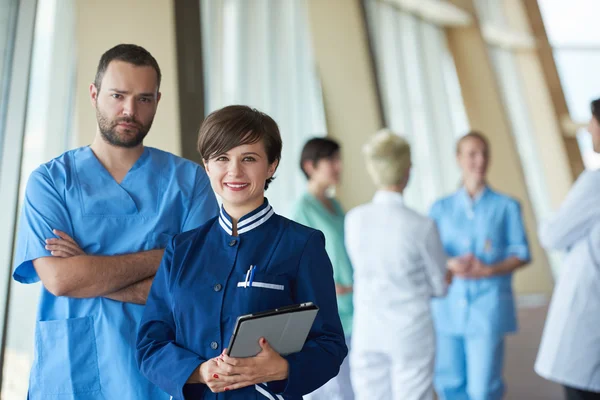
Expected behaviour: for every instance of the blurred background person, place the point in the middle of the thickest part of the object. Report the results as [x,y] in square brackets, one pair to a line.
[399,264]
[317,208]
[482,230]
[570,350]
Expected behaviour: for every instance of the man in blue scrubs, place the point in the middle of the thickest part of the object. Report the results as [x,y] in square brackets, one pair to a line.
[94,225]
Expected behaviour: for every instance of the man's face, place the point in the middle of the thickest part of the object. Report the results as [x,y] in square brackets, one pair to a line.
[126,103]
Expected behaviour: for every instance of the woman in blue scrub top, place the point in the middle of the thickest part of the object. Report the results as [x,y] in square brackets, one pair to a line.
[482,231]
[199,290]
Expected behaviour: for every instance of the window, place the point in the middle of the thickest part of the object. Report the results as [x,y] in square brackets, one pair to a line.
[421,97]
[8,19]
[577,54]
[258,53]
[47,110]
[503,60]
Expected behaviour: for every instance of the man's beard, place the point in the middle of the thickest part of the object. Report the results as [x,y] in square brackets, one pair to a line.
[108,129]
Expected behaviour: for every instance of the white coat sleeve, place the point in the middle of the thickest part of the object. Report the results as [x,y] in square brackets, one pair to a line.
[575,217]
[350,239]
[435,259]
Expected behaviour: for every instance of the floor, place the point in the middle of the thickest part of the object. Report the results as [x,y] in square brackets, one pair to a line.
[521,380]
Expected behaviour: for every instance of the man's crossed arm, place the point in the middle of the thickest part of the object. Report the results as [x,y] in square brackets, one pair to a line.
[72,273]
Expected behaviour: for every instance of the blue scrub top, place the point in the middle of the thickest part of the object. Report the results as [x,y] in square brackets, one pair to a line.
[491,228]
[84,348]
[197,296]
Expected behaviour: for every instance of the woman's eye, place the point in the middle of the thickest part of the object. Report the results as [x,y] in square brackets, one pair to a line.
[221,158]
[249,159]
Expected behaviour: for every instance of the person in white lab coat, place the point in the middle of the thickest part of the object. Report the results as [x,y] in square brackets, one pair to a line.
[570,349]
[399,264]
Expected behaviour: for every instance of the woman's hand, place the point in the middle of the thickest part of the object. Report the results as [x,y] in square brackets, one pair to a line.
[341,289]
[266,366]
[64,246]
[478,270]
[210,374]
[448,277]
[460,265]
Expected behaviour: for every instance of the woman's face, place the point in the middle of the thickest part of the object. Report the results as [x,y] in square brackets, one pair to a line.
[473,159]
[594,129]
[326,171]
[239,175]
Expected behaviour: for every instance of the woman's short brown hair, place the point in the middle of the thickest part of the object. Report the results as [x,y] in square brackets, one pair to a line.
[237,125]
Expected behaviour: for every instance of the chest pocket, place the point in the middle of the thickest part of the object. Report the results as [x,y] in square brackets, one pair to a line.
[260,291]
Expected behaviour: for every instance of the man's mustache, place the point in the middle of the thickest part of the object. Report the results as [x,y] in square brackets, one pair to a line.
[128,121]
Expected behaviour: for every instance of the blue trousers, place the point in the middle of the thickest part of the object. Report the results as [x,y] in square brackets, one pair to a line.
[469,367]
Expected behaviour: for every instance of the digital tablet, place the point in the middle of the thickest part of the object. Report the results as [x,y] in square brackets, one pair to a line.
[284,328]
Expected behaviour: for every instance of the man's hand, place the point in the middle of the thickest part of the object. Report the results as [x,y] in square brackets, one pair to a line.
[63,246]
[227,373]
[71,272]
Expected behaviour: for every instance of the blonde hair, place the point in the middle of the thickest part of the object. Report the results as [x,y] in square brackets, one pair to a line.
[387,156]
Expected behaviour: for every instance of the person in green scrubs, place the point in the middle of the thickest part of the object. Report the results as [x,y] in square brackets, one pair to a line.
[317,208]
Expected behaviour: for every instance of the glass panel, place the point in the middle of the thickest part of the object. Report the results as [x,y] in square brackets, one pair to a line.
[574,33]
[8,19]
[578,70]
[258,52]
[571,23]
[421,97]
[510,83]
[580,78]
[514,101]
[49,108]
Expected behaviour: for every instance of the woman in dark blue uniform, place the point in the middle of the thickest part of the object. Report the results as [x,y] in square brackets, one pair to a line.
[200,288]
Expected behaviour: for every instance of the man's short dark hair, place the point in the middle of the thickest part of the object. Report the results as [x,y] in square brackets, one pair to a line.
[595,105]
[129,53]
[236,125]
[317,149]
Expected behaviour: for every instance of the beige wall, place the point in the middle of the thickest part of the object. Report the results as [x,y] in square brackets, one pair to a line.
[352,107]
[101,24]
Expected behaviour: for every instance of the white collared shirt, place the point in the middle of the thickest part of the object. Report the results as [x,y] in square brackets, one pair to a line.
[399,264]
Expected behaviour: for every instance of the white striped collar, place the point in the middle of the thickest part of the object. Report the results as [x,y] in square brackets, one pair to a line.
[249,221]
